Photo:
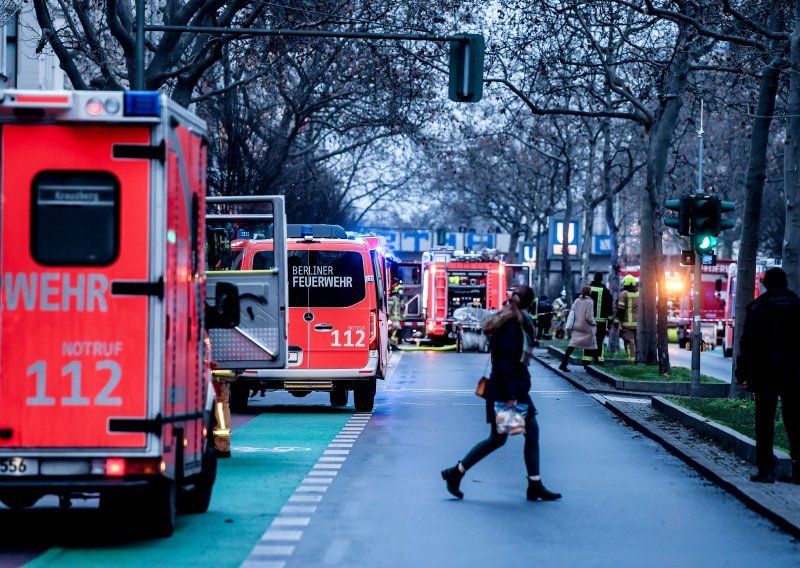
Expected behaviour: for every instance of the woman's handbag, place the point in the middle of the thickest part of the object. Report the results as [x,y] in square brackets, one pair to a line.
[570,320]
[510,420]
[483,382]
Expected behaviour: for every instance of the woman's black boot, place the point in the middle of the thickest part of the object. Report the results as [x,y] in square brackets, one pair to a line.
[453,478]
[538,491]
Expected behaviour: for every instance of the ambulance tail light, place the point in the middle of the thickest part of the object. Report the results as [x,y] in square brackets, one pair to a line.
[373,329]
[120,467]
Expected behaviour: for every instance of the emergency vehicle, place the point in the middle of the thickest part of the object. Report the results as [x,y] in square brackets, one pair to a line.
[104,369]
[338,336]
[455,279]
[762,265]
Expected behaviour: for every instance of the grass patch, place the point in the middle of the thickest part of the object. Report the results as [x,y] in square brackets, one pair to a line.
[650,373]
[737,414]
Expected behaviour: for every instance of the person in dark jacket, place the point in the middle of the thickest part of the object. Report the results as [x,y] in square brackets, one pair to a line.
[603,316]
[510,383]
[768,366]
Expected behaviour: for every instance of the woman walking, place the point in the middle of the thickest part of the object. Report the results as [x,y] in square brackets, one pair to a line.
[510,382]
[585,330]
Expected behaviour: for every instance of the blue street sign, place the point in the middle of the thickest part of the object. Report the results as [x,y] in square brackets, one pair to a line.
[602,244]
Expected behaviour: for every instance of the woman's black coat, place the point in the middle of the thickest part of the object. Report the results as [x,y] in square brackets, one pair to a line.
[510,379]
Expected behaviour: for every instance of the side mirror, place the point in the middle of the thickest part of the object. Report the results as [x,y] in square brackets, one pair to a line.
[224,314]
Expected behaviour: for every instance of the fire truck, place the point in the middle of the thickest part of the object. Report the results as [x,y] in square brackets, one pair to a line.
[762,265]
[104,364]
[454,279]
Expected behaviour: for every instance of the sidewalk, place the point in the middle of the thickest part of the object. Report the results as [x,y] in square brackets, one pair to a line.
[779,502]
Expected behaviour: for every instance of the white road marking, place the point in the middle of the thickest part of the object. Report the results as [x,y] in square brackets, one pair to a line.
[272,535]
[317,480]
[305,498]
[291,521]
[273,550]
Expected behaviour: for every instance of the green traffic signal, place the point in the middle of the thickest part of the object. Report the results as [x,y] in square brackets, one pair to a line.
[704,243]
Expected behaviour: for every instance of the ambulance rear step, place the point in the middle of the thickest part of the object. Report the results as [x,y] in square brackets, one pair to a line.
[300,385]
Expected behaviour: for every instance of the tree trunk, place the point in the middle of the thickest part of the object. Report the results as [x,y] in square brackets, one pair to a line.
[613,231]
[588,213]
[754,192]
[566,263]
[791,179]
[651,342]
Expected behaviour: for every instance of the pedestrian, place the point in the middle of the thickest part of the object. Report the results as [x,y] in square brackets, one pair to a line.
[768,367]
[222,412]
[396,316]
[603,312]
[545,318]
[511,331]
[627,315]
[584,329]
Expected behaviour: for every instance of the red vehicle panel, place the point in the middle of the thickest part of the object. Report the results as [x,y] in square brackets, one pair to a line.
[79,362]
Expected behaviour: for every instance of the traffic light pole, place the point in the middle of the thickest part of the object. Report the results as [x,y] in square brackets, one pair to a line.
[697,333]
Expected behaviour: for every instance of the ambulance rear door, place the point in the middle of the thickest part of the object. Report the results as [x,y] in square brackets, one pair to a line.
[341,314]
[260,339]
[74,232]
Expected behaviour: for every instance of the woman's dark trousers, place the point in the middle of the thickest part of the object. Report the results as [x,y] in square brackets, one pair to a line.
[495,440]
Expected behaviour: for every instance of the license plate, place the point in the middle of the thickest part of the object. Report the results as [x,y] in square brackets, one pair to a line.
[18,466]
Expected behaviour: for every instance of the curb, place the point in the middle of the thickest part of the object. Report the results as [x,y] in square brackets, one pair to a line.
[707,390]
[728,438]
[760,501]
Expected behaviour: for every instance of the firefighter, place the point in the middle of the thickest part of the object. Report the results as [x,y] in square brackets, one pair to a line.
[603,312]
[222,381]
[396,313]
[627,312]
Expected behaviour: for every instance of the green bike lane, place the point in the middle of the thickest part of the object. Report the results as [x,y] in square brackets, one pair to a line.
[272,453]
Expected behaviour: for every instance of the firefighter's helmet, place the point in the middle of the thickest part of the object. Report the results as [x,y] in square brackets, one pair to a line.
[629,280]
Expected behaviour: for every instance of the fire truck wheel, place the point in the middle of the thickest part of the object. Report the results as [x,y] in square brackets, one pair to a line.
[160,504]
[195,493]
[20,500]
[240,394]
[339,396]
[364,395]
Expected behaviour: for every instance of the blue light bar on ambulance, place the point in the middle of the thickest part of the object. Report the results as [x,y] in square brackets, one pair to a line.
[307,232]
[142,103]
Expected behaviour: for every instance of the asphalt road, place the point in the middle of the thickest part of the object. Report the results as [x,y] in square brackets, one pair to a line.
[382,503]
[627,502]
[712,362]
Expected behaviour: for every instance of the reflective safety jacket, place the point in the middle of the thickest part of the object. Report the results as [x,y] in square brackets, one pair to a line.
[603,305]
[627,307]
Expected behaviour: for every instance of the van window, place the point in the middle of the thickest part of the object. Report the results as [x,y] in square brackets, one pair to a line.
[326,279]
[264,260]
[379,290]
[75,218]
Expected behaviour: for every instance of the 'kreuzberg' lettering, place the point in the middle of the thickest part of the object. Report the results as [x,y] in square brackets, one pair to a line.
[319,277]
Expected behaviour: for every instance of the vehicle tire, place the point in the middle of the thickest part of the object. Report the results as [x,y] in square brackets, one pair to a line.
[161,507]
[364,396]
[727,352]
[20,499]
[339,396]
[240,394]
[195,493]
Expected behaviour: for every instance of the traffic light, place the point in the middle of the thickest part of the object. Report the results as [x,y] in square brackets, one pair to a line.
[725,207]
[466,69]
[684,208]
[704,243]
[705,217]
[441,236]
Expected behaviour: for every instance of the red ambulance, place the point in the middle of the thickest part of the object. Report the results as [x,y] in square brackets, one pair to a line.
[104,371]
[338,336]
